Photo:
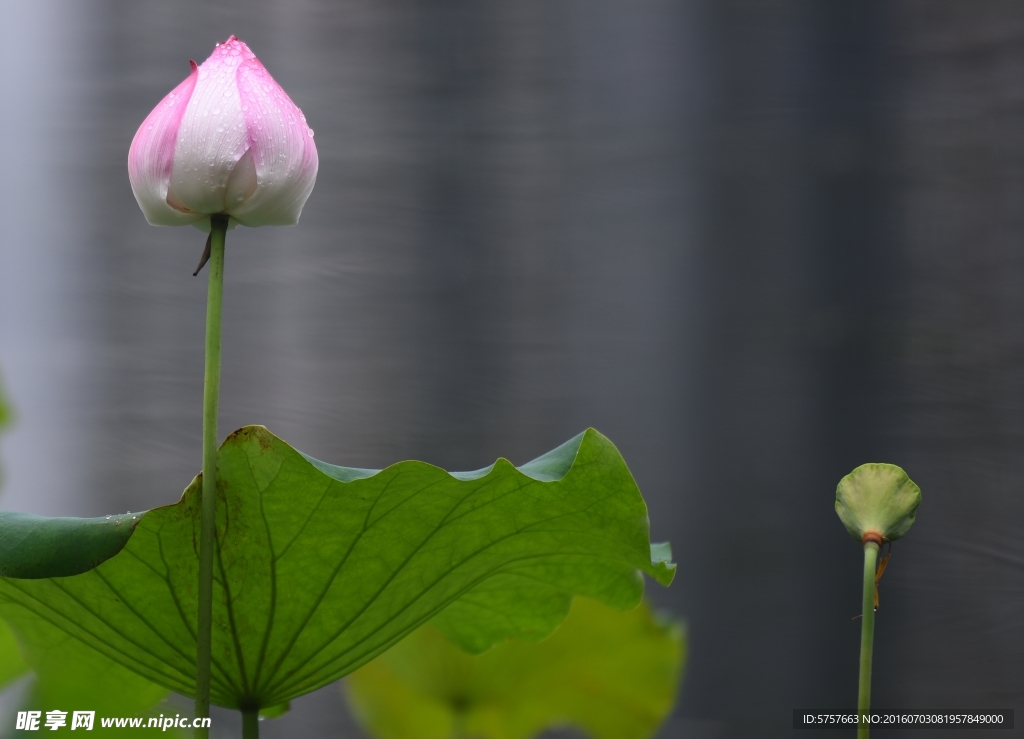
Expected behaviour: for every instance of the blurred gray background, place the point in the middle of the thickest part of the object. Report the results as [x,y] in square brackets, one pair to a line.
[754,243]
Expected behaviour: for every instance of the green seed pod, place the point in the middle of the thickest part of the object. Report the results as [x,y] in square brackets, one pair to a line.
[877,499]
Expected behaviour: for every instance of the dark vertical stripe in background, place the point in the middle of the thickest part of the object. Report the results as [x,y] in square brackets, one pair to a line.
[754,243]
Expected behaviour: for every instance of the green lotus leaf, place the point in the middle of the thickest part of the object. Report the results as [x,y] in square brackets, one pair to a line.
[70,676]
[12,664]
[320,568]
[275,711]
[35,547]
[614,675]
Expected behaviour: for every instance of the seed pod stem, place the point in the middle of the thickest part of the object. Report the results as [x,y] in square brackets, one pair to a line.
[867,633]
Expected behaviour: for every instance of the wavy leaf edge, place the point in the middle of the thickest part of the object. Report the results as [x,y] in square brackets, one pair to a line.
[552,466]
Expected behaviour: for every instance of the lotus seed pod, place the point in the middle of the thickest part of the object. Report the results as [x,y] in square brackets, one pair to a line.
[877,499]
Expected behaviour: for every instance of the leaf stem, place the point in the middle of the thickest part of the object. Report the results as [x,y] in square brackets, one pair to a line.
[251,724]
[211,396]
[867,637]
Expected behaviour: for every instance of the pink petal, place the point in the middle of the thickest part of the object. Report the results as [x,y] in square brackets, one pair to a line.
[151,156]
[281,145]
[212,136]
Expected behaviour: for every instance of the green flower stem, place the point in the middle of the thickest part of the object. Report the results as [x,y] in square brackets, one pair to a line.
[211,397]
[867,636]
[251,724]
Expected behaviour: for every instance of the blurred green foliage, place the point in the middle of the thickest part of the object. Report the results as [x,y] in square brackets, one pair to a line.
[5,409]
[613,674]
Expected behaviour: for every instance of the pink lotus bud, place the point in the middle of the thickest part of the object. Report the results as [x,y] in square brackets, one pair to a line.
[226,140]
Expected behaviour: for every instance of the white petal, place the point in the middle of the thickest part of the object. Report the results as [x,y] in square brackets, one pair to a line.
[241,182]
[212,138]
